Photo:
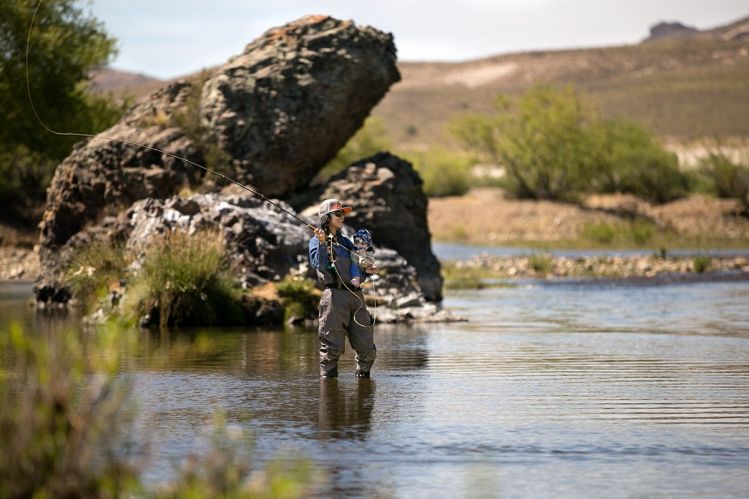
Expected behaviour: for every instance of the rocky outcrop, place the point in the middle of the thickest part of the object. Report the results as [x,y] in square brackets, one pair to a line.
[388,200]
[102,177]
[670,30]
[285,106]
[276,114]
[263,244]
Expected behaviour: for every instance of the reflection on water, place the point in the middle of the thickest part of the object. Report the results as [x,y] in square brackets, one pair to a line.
[345,414]
[565,390]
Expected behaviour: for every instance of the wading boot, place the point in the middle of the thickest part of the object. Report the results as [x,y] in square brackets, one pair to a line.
[362,374]
[333,373]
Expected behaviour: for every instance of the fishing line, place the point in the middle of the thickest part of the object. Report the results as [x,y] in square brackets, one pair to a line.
[166,153]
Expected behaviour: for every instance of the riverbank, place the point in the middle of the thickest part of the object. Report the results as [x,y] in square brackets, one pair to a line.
[488,217]
[482,269]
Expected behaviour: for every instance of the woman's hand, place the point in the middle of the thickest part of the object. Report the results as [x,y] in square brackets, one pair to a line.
[371,270]
[320,235]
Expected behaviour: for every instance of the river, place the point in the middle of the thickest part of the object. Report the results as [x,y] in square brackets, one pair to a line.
[563,390]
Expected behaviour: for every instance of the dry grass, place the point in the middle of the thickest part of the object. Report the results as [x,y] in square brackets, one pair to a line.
[486,216]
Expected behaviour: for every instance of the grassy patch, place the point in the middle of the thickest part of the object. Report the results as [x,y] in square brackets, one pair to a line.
[184,278]
[95,270]
[600,232]
[701,263]
[460,277]
[300,298]
[542,263]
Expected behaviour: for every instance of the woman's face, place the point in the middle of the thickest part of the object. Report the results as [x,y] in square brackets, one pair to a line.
[336,220]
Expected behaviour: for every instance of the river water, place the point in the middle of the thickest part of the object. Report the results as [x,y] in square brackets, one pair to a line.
[564,390]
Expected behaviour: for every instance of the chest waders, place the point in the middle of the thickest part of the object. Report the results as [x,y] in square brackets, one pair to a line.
[344,313]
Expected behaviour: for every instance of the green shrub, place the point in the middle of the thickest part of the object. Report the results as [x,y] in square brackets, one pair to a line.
[64,416]
[542,263]
[542,140]
[67,419]
[461,277]
[95,269]
[444,173]
[24,177]
[600,232]
[633,161]
[554,146]
[701,263]
[300,297]
[641,231]
[185,279]
[729,179]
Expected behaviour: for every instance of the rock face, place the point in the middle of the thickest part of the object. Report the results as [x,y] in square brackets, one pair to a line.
[670,30]
[291,100]
[388,200]
[278,112]
[263,244]
[102,177]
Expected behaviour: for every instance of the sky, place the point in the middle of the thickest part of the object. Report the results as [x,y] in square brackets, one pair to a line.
[170,38]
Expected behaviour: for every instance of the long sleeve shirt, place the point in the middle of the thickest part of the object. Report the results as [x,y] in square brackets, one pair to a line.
[320,261]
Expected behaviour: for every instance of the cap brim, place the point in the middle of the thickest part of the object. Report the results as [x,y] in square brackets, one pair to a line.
[347,209]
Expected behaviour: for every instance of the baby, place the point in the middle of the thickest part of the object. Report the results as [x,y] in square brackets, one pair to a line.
[362,258]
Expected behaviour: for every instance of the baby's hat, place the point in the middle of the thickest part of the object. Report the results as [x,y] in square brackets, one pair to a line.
[362,236]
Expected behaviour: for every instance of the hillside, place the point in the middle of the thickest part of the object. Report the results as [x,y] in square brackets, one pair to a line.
[684,87]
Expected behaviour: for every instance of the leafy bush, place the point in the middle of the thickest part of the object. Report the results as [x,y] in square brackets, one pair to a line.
[638,231]
[542,263]
[541,139]
[63,414]
[554,146]
[701,263]
[444,173]
[641,231]
[600,232]
[632,161]
[24,177]
[462,277]
[66,421]
[185,280]
[729,179]
[300,297]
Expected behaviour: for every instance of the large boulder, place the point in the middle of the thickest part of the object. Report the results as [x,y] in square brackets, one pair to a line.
[387,196]
[276,114]
[293,98]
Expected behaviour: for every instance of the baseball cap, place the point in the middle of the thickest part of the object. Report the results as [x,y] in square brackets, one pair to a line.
[330,205]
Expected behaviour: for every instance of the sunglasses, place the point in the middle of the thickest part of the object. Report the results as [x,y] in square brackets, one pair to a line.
[338,213]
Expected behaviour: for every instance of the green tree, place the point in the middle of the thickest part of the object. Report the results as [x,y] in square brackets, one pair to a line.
[65,46]
[729,178]
[554,146]
[633,161]
[541,139]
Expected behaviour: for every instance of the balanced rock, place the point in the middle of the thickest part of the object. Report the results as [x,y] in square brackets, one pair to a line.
[285,106]
[274,115]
